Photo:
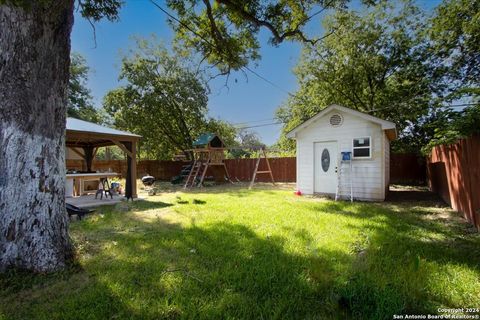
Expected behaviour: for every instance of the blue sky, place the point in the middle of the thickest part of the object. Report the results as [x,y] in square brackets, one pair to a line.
[246,101]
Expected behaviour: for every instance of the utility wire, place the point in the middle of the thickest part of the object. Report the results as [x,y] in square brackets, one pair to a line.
[278,123]
[444,106]
[214,47]
[262,77]
[268,81]
[261,125]
[463,105]
[253,121]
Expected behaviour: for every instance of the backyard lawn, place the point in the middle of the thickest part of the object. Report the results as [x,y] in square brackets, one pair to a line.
[265,253]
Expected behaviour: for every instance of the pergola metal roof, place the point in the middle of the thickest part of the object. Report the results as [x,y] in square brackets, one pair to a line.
[82,133]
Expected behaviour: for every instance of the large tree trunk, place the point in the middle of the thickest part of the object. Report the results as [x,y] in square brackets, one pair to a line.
[34,63]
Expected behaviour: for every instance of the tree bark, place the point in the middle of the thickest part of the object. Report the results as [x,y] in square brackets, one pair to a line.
[34,63]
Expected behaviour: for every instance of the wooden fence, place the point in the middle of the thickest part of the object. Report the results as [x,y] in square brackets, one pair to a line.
[162,170]
[405,168]
[284,169]
[454,173]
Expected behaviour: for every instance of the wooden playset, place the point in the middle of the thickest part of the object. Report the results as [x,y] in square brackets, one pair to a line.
[209,150]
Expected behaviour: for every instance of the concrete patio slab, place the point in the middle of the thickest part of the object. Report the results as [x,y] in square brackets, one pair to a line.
[89,201]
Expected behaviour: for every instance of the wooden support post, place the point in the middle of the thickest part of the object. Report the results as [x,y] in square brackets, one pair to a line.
[122,146]
[88,151]
[76,187]
[254,174]
[78,152]
[128,178]
[268,165]
[82,155]
[134,169]
[131,178]
[95,150]
[226,172]
[204,172]
[190,174]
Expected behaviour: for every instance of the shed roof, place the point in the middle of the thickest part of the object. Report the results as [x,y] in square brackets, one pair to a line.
[387,126]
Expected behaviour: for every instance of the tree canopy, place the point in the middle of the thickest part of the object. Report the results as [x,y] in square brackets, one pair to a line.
[387,60]
[375,62]
[225,33]
[245,138]
[163,100]
[455,48]
[455,38]
[80,104]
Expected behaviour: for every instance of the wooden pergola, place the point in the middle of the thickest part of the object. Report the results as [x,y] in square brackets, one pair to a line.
[88,137]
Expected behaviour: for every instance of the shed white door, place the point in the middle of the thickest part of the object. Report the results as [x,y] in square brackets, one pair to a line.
[325,165]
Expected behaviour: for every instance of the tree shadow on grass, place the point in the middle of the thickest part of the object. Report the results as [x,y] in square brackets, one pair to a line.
[157,269]
[214,272]
[414,196]
[70,294]
[145,205]
[225,271]
[236,189]
[121,218]
[405,262]
[124,206]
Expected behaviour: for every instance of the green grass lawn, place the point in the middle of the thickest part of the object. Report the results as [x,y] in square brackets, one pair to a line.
[234,253]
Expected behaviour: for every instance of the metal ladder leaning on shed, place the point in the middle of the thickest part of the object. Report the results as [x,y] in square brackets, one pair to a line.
[345,176]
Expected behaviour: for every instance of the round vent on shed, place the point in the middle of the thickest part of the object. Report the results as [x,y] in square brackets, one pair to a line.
[336,120]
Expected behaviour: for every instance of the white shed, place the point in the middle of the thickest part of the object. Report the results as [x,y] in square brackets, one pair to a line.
[336,129]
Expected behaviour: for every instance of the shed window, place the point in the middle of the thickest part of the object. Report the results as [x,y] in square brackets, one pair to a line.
[362,147]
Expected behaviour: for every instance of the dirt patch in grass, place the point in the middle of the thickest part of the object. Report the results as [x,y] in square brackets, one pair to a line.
[400,193]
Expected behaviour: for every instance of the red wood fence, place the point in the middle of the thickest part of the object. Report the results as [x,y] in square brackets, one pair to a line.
[405,168]
[454,173]
[284,169]
[162,170]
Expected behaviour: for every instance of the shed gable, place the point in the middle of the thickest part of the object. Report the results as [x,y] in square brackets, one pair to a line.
[335,115]
[350,126]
